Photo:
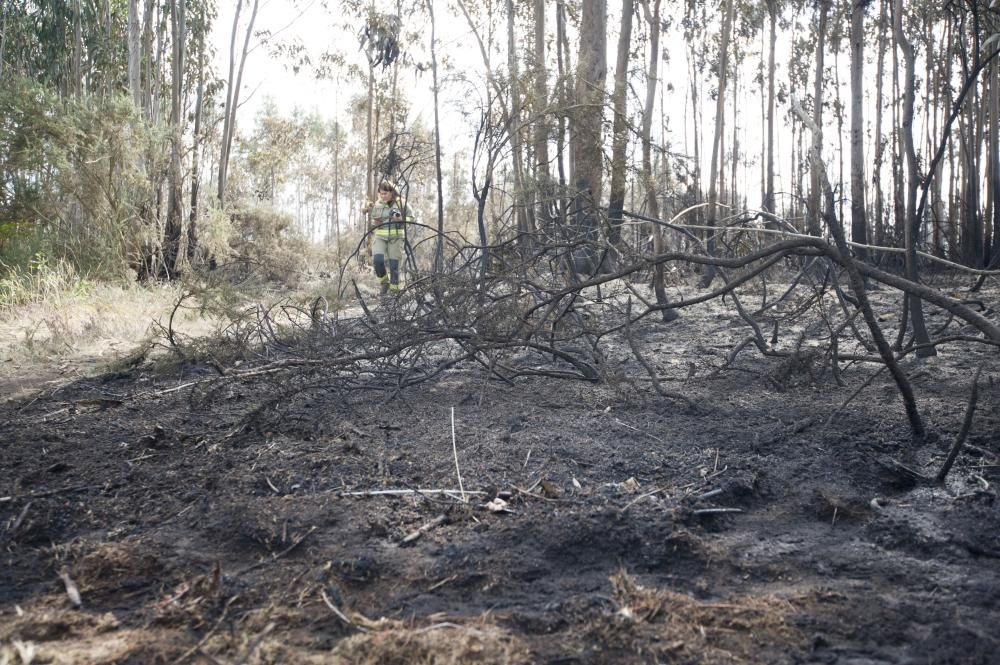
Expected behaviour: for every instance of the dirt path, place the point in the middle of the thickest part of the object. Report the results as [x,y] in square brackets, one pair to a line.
[633,529]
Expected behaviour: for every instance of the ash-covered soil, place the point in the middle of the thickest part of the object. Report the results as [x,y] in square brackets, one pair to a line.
[765,522]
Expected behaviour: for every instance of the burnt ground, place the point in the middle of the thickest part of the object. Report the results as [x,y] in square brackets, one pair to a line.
[765,523]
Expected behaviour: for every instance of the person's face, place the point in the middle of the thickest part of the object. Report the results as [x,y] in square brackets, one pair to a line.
[385,196]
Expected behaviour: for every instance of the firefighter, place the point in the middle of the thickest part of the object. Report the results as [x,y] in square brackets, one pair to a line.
[388,217]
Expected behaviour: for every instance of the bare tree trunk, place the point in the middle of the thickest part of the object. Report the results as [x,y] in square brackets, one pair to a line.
[619,132]
[541,127]
[813,213]
[439,249]
[370,137]
[174,224]
[994,166]
[696,124]
[859,225]
[3,36]
[134,53]
[522,208]
[233,95]
[913,221]
[586,154]
[769,202]
[146,58]
[652,203]
[562,58]
[879,225]
[77,63]
[192,244]
[720,105]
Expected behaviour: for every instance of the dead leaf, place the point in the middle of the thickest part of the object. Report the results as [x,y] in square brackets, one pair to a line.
[630,485]
[576,483]
[550,489]
[498,505]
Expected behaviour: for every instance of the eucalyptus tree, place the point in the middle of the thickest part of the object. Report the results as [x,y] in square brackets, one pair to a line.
[540,99]
[859,225]
[813,213]
[653,18]
[173,226]
[234,83]
[768,203]
[620,129]
[720,106]
[587,121]
[913,222]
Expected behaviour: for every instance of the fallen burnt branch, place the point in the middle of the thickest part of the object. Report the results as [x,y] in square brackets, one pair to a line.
[533,314]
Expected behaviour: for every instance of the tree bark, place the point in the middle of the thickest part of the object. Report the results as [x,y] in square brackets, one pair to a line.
[813,213]
[541,127]
[912,217]
[994,168]
[233,95]
[192,236]
[652,202]
[134,53]
[769,202]
[586,154]
[439,248]
[619,132]
[77,64]
[859,225]
[720,107]
[174,224]
[522,209]
[879,225]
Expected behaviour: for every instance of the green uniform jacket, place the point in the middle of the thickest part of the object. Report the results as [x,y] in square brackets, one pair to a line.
[381,218]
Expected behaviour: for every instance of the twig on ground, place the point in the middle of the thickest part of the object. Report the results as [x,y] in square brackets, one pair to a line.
[853,395]
[413,535]
[451,493]
[454,450]
[646,366]
[180,387]
[714,511]
[71,589]
[20,518]
[256,642]
[222,617]
[277,556]
[340,615]
[970,410]
[640,498]
[438,585]
[531,494]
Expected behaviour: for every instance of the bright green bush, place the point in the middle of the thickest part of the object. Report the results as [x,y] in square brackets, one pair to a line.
[72,180]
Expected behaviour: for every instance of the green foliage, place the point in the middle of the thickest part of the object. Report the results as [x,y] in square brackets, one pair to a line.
[71,178]
[42,280]
[265,243]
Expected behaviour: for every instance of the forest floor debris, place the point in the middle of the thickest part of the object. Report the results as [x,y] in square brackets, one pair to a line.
[632,528]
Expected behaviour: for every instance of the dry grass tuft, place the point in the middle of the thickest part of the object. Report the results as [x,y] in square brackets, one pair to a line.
[109,565]
[736,630]
[391,643]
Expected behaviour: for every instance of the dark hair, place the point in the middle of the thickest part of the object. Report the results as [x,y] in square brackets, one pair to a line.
[388,186]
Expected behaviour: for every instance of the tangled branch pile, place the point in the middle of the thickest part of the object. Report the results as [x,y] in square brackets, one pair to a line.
[526,310]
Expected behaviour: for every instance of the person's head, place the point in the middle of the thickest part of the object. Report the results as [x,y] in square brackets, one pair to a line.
[387,191]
